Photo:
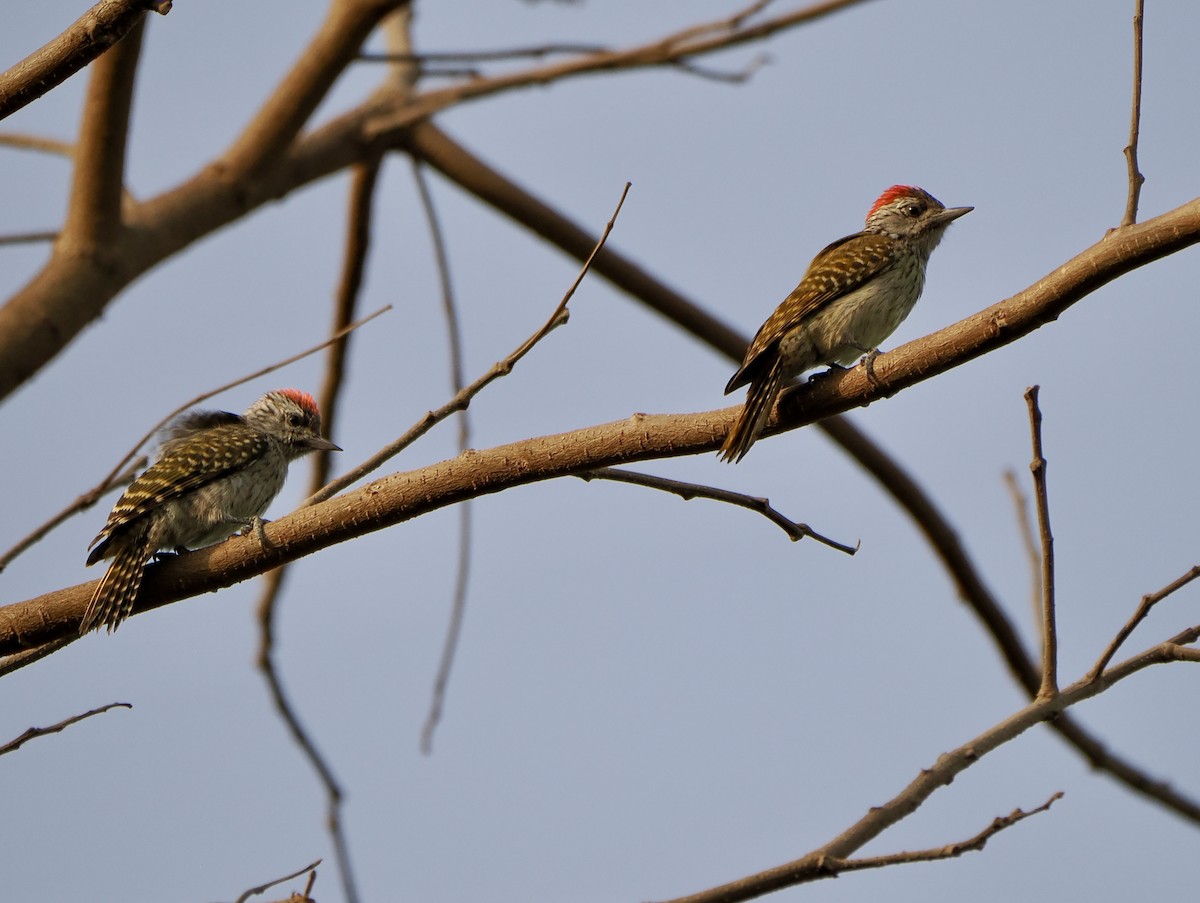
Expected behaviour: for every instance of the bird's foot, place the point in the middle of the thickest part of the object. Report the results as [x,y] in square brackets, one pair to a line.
[868,362]
[255,526]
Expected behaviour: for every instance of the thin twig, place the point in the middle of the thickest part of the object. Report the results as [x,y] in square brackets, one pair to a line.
[1025,529]
[27,238]
[461,400]
[1049,685]
[15,744]
[949,851]
[311,867]
[1136,179]
[85,501]
[26,141]
[463,572]
[483,56]
[688,491]
[1143,609]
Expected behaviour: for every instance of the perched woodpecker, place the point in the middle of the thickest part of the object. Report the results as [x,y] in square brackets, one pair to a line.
[214,474]
[853,296]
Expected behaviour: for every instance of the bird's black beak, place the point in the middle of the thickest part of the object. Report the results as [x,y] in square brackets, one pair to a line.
[950,214]
[316,443]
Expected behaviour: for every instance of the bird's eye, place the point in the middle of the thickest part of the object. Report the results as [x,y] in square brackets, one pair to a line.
[295,419]
[912,210]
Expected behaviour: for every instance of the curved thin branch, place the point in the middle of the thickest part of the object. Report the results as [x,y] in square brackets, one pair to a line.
[795,530]
[18,742]
[94,32]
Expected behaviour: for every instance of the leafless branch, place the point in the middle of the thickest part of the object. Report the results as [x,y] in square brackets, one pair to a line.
[483,56]
[1136,179]
[1049,684]
[358,241]
[688,491]
[93,221]
[1143,609]
[92,34]
[949,851]
[254,891]
[815,865]
[85,501]
[17,743]
[462,399]
[1025,529]
[23,141]
[458,604]
[27,238]
[19,660]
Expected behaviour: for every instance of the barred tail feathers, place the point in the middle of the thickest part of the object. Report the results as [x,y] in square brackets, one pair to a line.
[760,401]
[113,599]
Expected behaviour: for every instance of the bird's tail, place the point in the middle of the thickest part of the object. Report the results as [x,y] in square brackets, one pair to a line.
[114,597]
[760,400]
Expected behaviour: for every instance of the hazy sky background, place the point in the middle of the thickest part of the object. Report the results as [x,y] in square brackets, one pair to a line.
[651,696]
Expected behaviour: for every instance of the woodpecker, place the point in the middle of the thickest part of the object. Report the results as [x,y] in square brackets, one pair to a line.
[213,475]
[853,296]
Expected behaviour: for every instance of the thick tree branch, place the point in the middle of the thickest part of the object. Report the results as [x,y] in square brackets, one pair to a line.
[94,32]
[94,212]
[400,497]
[71,291]
[335,45]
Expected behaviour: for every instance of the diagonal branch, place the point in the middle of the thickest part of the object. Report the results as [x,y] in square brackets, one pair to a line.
[94,211]
[1049,684]
[815,865]
[335,45]
[92,34]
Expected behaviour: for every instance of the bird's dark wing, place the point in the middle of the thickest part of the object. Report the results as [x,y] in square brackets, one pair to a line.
[860,258]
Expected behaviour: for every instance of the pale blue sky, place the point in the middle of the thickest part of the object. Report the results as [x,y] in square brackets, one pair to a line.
[651,697]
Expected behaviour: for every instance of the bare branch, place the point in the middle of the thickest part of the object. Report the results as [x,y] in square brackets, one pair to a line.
[1143,609]
[458,603]
[358,242]
[331,50]
[27,238]
[688,491]
[1136,179]
[311,867]
[85,501]
[23,141]
[1049,685]
[16,662]
[815,865]
[93,221]
[333,790]
[462,399]
[92,34]
[17,743]
[1025,529]
[950,851]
